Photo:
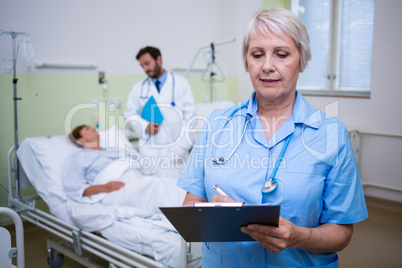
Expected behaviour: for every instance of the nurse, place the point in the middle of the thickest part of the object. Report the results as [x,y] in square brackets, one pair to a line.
[165,141]
[317,181]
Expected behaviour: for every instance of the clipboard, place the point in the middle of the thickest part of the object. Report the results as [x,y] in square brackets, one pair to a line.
[219,223]
[151,111]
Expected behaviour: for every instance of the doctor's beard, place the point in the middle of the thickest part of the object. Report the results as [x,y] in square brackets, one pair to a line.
[156,72]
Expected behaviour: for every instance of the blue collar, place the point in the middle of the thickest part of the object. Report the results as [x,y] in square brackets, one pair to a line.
[303,113]
[252,105]
[162,79]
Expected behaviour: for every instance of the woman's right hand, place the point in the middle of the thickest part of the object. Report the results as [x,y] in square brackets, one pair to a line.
[190,199]
[222,198]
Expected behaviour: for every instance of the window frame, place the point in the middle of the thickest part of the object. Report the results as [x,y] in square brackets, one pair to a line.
[334,57]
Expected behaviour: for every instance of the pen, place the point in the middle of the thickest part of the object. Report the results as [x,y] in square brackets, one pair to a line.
[219,190]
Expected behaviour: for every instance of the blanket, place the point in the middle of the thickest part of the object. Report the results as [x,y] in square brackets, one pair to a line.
[141,197]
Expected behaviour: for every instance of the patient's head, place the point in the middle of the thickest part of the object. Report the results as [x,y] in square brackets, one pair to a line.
[85,136]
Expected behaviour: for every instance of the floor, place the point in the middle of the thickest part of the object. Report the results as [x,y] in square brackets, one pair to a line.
[35,248]
[377,241]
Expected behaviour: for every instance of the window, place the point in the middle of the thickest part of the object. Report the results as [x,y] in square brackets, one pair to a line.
[341,39]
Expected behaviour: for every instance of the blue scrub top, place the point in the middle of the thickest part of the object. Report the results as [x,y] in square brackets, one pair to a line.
[318,179]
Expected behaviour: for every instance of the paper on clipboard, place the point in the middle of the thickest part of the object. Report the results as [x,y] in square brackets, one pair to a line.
[219,223]
[151,111]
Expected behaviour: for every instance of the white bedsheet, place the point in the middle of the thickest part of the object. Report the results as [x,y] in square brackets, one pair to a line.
[140,197]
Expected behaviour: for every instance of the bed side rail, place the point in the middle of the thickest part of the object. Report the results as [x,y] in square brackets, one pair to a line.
[19,233]
[114,254]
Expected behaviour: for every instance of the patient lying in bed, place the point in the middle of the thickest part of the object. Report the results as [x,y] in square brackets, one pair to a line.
[93,174]
[126,216]
[110,190]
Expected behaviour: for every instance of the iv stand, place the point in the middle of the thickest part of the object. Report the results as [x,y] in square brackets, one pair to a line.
[212,74]
[14,36]
[210,65]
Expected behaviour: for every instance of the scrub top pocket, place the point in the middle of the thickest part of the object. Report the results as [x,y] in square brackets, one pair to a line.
[303,187]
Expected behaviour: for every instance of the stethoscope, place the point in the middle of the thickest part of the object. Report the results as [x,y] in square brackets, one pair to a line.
[271,184]
[149,86]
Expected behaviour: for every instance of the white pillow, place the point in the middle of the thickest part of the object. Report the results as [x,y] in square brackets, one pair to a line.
[114,138]
[51,153]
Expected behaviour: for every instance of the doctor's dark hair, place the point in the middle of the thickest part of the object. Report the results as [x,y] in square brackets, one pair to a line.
[75,134]
[280,22]
[153,51]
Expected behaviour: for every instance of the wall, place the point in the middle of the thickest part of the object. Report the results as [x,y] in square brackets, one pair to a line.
[110,33]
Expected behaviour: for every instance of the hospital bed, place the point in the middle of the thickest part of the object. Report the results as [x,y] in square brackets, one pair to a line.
[140,243]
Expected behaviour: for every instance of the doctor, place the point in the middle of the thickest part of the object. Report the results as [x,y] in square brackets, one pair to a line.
[163,147]
[276,148]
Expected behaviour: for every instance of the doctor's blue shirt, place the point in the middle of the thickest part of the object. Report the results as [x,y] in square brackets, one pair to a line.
[318,179]
[161,79]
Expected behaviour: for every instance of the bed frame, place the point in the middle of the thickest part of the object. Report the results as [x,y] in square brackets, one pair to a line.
[74,240]
[6,252]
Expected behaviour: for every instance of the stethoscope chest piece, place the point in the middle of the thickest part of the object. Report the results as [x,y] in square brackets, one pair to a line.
[269,186]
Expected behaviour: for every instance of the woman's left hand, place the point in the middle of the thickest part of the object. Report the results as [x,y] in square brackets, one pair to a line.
[327,237]
[276,239]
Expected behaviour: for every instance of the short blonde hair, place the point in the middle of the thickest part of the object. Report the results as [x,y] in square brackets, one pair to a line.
[279,21]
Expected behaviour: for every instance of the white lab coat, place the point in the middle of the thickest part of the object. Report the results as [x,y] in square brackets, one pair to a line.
[162,154]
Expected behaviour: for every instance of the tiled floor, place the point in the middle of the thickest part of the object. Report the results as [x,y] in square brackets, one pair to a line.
[35,248]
